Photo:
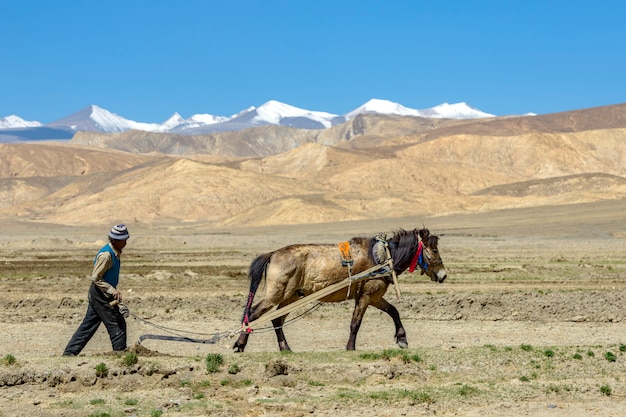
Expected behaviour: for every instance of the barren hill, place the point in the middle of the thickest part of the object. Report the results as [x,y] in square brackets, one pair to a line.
[369,168]
[261,141]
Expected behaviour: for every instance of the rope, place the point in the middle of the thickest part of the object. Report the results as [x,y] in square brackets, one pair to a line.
[216,337]
[289,321]
[178,333]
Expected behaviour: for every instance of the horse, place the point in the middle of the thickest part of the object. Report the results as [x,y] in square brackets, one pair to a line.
[299,270]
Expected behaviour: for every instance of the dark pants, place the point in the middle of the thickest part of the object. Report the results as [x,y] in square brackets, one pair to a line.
[98,311]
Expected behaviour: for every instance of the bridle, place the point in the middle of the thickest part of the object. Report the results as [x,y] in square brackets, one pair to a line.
[431,261]
[425,258]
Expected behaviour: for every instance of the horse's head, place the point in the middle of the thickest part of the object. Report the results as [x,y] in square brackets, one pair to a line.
[430,262]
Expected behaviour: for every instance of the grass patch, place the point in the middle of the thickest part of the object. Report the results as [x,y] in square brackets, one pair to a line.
[130,359]
[606,390]
[549,353]
[8,360]
[466,390]
[102,370]
[388,354]
[213,362]
[234,369]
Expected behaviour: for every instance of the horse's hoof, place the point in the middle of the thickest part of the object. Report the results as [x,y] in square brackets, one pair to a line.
[403,344]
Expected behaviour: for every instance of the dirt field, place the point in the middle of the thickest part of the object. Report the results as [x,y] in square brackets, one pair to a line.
[527,324]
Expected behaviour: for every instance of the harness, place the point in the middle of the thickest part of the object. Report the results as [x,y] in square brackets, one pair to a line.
[381,255]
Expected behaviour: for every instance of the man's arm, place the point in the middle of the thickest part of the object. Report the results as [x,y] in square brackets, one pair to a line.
[103,263]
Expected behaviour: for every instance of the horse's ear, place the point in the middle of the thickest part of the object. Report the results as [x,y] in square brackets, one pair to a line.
[424,233]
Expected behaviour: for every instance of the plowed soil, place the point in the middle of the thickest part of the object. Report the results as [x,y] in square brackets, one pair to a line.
[524,325]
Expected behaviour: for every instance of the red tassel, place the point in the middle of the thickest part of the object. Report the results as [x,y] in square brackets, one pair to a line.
[418,252]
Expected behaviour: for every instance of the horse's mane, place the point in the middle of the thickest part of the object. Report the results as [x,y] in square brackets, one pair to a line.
[402,247]
[431,241]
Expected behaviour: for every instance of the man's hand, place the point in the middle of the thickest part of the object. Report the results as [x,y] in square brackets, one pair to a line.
[117,296]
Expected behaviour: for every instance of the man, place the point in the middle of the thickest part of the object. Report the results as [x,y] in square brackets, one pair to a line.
[104,298]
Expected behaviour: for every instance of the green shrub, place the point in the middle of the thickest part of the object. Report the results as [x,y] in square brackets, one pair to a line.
[213,362]
[606,390]
[9,360]
[130,359]
[548,353]
[466,390]
[102,371]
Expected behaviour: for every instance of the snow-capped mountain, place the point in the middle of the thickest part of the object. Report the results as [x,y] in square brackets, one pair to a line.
[277,113]
[97,119]
[197,120]
[13,122]
[454,111]
[445,110]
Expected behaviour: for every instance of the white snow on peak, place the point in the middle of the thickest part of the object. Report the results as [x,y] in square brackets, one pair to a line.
[382,107]
[175,120]
[207,119]
[198,120]
[270,113]
[111,122]
[455,111]
[273,111]
[244,111]
[445,110]
[12,121]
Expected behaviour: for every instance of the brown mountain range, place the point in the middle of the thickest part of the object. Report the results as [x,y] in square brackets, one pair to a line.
[368,168]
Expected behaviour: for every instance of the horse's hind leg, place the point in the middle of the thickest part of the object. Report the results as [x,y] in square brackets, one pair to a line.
[241,342]
[384,305]
[280,335]
[255,312]
[357,318]
[278,325]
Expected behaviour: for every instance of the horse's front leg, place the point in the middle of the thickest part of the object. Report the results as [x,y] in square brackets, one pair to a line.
[360,306]
[384,305]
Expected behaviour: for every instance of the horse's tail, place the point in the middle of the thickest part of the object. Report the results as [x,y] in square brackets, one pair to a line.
[255,274]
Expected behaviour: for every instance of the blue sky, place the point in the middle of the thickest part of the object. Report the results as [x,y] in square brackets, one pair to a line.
[146,59]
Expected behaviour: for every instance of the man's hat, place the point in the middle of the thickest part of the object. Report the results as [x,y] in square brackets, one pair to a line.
[119,232]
